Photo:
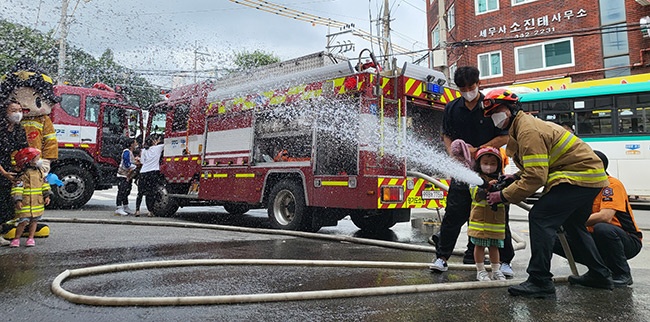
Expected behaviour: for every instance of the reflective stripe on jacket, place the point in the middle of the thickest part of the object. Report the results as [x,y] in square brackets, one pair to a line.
[547,155]
[31,189]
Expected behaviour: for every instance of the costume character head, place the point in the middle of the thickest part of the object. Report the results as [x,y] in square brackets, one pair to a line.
[29,85]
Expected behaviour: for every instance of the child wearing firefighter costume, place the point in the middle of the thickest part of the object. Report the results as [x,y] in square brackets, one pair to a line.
[572,175]
[487,225]
[30,192]
[33,89]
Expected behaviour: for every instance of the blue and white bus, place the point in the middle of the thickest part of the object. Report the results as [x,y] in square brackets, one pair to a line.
[613,119]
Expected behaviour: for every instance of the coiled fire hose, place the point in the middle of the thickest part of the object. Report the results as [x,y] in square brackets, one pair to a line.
[269,297]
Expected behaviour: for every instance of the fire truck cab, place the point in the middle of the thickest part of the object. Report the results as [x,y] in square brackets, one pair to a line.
[92,126]
[310,146]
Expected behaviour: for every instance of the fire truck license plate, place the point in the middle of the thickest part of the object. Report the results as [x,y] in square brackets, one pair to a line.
[432,194]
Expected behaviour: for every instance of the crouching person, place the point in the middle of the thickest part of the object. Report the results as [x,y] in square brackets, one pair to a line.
[30,192]
[613,229]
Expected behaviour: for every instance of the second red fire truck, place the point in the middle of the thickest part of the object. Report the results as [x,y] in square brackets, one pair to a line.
[91,127]
[309,144]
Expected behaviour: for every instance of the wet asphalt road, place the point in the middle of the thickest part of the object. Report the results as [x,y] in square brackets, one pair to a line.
[26,275]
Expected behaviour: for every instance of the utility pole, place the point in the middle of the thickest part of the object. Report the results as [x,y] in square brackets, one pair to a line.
[62,41]
[442,24]
[196,58]
[386,37]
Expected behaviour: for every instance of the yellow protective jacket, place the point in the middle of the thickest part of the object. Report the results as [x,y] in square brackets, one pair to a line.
[32,189]
[41,135]
[483,221]
[547,155]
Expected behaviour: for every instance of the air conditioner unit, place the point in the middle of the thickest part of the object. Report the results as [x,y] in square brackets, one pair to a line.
[643,2]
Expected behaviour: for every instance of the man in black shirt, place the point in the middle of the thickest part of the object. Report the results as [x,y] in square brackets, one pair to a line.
[13,138]
[463,119]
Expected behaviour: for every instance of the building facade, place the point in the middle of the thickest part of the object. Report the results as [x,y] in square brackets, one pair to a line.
[523,41]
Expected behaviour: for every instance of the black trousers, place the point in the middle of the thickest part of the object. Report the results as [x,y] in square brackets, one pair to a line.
[148,183]
[614,244]
[568,206]
[7,207]
[123,191]
[459,205]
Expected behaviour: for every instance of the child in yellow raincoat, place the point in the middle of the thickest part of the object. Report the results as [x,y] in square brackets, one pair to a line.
[30,192]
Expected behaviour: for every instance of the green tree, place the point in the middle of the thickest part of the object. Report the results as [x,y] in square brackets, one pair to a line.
[247,60]
[82,69]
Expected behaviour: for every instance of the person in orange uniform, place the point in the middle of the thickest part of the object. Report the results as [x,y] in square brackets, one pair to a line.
[613,229]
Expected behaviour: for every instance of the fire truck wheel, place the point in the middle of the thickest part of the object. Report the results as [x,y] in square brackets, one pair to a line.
[373,222]
[161,205]
[287,209]
[236,209]
[78,187]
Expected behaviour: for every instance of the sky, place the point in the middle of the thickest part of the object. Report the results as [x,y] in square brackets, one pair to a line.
[162,35]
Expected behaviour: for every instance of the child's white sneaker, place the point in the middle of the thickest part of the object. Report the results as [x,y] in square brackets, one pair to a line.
[482,276]
[498,276]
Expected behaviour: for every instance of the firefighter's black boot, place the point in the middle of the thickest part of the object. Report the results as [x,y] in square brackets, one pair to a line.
[530,289]
[594,280]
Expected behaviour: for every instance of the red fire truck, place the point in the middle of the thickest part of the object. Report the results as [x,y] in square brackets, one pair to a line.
[92,125]
[231,143]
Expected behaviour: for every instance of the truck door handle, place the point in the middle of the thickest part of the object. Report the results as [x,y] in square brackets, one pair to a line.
[86,140]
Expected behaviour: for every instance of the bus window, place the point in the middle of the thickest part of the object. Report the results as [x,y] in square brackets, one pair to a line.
[594,122]
[70,104]
[643,106]
[557,111]
[633,120]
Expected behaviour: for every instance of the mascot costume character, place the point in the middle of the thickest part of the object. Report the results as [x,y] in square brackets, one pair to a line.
[29,85]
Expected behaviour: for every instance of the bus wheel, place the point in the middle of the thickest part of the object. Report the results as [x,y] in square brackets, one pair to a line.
[161,204]
[78,187]
[287,209]
[373,222]
[236,209]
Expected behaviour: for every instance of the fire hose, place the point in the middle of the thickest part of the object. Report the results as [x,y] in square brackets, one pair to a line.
[58,290]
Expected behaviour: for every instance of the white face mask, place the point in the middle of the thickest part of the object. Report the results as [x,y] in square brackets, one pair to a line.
[499,119]
[39,163]
[15,117]
[488,169]
[471,95]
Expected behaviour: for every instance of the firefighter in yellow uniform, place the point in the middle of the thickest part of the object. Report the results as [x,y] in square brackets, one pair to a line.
[572,175]
[41,135]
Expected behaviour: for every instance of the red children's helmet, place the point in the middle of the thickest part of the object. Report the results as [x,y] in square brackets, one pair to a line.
[496,98]
[25,156]
[488,150]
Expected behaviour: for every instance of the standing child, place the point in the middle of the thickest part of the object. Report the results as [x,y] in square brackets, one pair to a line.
[125,179]
[487,224]
[30,192]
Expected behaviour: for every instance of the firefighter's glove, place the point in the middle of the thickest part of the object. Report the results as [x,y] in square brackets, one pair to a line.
[509,178]
[496,197]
